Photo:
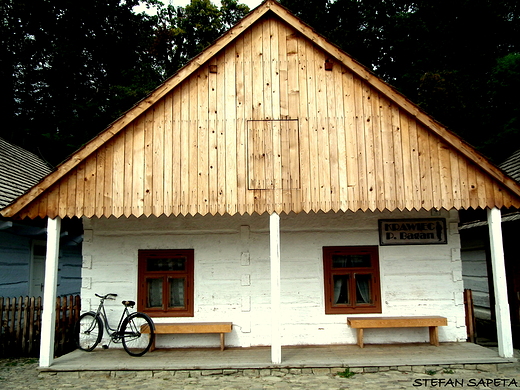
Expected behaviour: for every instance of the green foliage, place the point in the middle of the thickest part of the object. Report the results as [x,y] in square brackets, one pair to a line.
[431,372]
[346,374]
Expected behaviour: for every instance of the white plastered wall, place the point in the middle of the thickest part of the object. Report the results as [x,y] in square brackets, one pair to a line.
[232,277]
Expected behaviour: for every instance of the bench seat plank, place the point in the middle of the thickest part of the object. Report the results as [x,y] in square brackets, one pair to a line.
[192,328]
[431,322]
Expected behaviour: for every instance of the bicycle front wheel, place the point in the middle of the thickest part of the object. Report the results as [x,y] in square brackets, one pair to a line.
[89,331]
[138,334]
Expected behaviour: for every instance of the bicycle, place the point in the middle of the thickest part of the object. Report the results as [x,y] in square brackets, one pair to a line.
[135,330]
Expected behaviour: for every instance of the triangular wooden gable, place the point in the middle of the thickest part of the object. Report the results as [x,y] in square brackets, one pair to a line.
[271,118]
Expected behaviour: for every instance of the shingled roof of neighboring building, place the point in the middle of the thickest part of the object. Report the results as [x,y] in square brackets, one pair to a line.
[512,166]
[19,171]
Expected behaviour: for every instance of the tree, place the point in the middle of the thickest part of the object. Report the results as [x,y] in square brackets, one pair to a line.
[183,32]
[68,68]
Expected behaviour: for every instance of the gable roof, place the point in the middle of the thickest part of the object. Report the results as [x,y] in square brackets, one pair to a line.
[512,166]
[19,171]
[271,117]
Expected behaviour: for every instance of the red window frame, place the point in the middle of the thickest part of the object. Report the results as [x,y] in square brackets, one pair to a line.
[353,307]
[144,274]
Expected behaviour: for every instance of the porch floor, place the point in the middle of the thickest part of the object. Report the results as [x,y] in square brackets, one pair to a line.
[292,357]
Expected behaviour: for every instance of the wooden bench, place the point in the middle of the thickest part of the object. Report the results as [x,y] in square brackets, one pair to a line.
[191,327]
[432,322]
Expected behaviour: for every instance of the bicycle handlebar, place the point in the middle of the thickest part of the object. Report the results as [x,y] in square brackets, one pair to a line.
[108,296]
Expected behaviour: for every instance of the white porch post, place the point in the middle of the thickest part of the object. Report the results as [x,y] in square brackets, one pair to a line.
[49,292]
[505,340]
[274,245]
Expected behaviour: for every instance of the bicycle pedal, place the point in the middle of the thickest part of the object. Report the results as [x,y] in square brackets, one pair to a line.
[105,346]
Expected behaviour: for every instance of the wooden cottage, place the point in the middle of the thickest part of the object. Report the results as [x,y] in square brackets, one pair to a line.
[275,183]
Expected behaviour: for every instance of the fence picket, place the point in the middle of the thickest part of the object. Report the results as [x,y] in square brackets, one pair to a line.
[20,325]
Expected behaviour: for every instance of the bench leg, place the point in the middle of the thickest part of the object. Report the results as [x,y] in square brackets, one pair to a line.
[434,335]
[222,341]
[360,337]
[152,347]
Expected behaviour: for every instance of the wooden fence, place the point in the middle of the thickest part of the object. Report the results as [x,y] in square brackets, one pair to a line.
[20,325]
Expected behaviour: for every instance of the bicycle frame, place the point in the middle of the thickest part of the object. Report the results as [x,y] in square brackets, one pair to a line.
[115,334]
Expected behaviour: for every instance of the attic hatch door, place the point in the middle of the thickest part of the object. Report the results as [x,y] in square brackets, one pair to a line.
[273,154]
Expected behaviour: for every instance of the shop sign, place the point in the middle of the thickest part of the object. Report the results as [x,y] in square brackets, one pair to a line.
[412,231]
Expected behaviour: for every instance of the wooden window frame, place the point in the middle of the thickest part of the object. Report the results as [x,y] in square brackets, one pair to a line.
[373,270]
[143,275]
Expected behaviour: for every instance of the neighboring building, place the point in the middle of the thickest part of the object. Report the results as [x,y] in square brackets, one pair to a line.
[476,260]
[276,183]
[23,243]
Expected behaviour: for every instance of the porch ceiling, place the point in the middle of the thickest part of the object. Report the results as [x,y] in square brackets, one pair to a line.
[387,355]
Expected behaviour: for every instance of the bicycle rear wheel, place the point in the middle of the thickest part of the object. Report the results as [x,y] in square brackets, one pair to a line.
[89,331]
[138,334]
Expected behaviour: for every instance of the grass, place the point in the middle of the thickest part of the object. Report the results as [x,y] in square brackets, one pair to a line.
[346,374]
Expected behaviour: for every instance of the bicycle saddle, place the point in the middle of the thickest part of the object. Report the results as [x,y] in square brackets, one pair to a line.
[108,296]
[128,303]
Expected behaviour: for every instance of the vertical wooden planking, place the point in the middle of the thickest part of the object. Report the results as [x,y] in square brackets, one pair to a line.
[138,180]
[464,189]
[472,186]
[481,189]
[322,131]
[62,197]
[388,154]
[148,163]
[425,167]
[313,127]
[297,44]
[257,96]
[248,114]
[80,188]
[158,159]
[400,194]
[415,164]
[100,181]
[455,179]
[407,163]
[221,134]
[90,186]
[129,198]
[193,147]
[241,133]
[332,116]
[118,174]
[212,142]
[349,97]
[435,170]
[379,185]
[71,196]
[447,195]
[283,69]
[168,155]
[177,153]
[203,149]
[371,127]
[185,148]
[230,130]
[108,195]
[360,121]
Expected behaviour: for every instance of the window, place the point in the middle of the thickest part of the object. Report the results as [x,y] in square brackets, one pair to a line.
[351,280]
[166,283]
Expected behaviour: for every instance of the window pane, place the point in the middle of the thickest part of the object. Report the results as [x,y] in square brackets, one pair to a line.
[341,290]
[154,292]
[166,264]
[350,261]
[176,286]
[363,289]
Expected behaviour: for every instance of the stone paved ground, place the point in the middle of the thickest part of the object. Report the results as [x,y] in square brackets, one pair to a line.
[23,374]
